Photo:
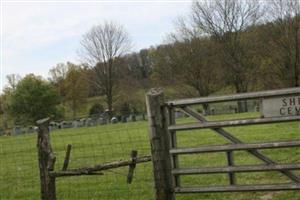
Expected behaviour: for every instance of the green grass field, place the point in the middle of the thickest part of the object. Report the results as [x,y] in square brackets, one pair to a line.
[95,145]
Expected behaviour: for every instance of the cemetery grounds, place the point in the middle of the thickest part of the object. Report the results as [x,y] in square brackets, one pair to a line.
[19,175]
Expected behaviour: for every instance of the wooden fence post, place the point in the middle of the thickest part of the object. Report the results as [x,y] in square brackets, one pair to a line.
[160,143]
[46,160]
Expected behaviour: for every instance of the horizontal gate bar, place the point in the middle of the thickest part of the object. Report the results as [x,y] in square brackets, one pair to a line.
[191,112]
[229,123]
[237,188]
[227,169]
[235,97]
[234,147]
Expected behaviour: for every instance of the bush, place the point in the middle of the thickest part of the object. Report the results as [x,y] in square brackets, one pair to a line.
[96,109]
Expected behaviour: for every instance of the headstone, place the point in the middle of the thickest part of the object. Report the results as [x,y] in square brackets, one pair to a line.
[100,121]
[36,128]
[94,122]
[133,118]
[2,131]
[62,124]
[82,122]
[114,120]
[124,119]
[31,129]
[119,118]
[65,124]
[75,124]
[89,122]
[17,130]
[178,114]
[53,125]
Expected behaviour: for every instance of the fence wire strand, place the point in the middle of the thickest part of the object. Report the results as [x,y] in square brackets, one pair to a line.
[19,175]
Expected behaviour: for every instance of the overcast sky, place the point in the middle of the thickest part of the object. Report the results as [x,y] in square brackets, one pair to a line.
[36,36]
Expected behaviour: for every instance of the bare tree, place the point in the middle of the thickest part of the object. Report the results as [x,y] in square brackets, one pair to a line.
[57,77]
[102,45]
[225,21]
[58,72]
[285,17]
[12,80]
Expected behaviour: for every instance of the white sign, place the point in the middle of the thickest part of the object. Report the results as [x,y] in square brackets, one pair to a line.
[281,106]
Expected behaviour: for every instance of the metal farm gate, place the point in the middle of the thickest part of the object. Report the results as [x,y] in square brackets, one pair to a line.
[276,106]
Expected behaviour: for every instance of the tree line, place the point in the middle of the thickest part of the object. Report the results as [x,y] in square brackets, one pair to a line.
[221,46]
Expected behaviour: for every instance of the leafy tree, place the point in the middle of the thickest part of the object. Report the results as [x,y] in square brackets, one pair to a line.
[58,75]
[5,101]
[76,86]
[33,99]
[12,80]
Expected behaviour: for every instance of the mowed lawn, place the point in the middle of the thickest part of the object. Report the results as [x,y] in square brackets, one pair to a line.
[19,176]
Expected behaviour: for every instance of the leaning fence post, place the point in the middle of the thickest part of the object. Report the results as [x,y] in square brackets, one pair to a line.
[159,140]
[46,160]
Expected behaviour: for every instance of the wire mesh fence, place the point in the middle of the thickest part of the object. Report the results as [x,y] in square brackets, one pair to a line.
[19,173]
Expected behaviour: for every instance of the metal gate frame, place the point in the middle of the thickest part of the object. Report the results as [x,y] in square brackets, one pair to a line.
[162,133]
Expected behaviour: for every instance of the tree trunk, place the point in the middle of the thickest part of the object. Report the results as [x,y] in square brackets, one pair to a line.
[109,104]
[297,60]
[110,89]
[242,105]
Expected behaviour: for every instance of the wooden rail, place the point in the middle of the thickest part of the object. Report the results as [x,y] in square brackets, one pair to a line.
[230,123]
[235,147]
[97,168]
[237,188]
[235,97]
[228,169]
